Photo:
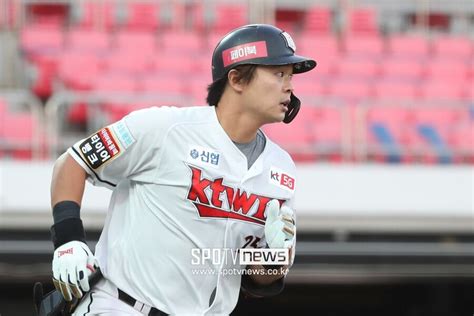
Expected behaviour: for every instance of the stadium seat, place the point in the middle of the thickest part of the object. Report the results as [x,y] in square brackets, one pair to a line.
[448,69]
[409,46]
[229,16]
[349,90]
[405,69]
[364,46]
[296,138]
[97,14]
[429,134]
[357,68]
[174,64]
[456,47]
[137,41]
[164,85]
[115,83]
[17,134]
[461,140]
[315,44]
[318,20]
[86,40]
[395,90]
[327,131]
[386,133]
[323,49]
[439,89]
[142,15]
[181,42]
[129,62]
[3,109]
[362,21]
[41,39]
[310,87]
[75,69]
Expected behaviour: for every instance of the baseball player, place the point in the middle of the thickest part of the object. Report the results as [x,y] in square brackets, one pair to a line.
[185,180]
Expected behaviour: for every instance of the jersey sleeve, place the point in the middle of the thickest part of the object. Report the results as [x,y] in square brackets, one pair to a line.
[127,149]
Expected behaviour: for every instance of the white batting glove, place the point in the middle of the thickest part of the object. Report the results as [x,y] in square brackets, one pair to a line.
[280,226]
[73,263]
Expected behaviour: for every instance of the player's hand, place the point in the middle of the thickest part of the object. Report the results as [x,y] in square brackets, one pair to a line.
[73,263]
[280,226]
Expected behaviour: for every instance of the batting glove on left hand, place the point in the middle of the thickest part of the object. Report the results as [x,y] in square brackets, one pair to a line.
[280,226]
[73,263]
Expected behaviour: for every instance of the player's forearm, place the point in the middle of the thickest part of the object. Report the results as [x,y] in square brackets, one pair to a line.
[261,274]
[68,180]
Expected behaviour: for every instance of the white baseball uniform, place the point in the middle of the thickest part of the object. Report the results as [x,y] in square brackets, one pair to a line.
[180,183]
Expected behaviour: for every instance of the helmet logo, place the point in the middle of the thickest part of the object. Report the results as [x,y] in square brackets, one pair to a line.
[244,52]
[289,41]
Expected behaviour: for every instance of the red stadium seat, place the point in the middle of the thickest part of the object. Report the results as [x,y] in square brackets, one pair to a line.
[142,15]
[115,83]
[296,138]
[84,40]
[323,49]
[327,132]
[402,69]
[128,62]
[3,106]
[169,63]
[410,46]
[461,140]
[349,90]
[306,87]
[362,21]
[441,90]
[137,41]
[366,46]
[165,85]
[395,90]
[451,70]
[457,47]
[229,16]
[75,69]
[41,39]
[317,44]
[17,132]
[318,20]
[180,42]
[97,14]
[365,69]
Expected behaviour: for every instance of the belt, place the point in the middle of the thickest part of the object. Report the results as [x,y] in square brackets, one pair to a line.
[124,297]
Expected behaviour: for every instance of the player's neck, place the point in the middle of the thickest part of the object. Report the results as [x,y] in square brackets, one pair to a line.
[239,126]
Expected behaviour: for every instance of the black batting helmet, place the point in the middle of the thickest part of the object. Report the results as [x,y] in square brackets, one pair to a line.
[259,44]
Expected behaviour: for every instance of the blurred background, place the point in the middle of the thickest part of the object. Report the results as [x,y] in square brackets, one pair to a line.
[384,142]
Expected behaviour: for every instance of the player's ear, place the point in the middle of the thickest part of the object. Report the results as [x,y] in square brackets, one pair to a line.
[235,81]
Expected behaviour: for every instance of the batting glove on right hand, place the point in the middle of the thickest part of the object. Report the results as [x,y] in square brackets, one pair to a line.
[279,226]
[73,263]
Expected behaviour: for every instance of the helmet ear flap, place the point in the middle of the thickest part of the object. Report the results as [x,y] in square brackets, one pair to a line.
[293,109]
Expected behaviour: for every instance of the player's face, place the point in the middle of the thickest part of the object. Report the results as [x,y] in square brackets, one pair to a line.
[268,93]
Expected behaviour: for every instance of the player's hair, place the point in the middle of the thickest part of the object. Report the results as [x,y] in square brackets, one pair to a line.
[216,89]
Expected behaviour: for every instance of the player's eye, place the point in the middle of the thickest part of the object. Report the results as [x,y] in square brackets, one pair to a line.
[280,74]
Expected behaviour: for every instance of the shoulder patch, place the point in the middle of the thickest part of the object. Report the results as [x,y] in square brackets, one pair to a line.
[100,148]
[123,134]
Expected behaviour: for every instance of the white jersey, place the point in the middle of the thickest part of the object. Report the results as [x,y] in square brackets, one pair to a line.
[180,183]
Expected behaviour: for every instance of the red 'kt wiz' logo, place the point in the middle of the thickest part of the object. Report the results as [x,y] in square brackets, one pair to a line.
[239,202]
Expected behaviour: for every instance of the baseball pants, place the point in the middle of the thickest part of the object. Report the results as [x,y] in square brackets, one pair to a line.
[103,299]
